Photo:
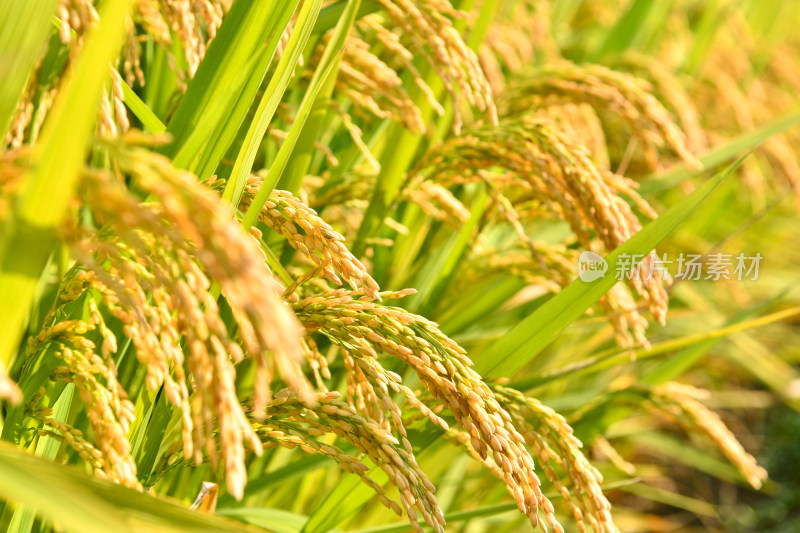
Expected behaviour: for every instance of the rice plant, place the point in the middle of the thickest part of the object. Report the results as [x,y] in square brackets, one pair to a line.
[311,266]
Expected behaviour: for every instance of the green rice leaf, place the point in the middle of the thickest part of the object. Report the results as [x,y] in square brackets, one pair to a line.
[269,103]
[225,84]
[21,45]
[29,235]
[86,504]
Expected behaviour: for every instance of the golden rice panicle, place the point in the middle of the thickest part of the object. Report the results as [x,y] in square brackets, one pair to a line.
[355,134]
[445,371]
[75,18]
[369,391]
[193,22]
[107,407]
[316,239]
[605,89]
[667,88]
[551,175]
[292,435]
[330,415]
[552,440]
[734,99]
[153,263]
[513,43]
[73,438]
[372,85]
[432,34]
[437,202]
[685,403]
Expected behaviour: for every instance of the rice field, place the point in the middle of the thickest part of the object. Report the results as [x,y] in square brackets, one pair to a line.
[376,266]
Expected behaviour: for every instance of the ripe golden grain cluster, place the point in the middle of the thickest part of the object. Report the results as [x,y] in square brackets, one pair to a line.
[109,411]
[605,89]
[152,264]
[293,423]
[684,403]
[553,443]
[366,328]
[544,173]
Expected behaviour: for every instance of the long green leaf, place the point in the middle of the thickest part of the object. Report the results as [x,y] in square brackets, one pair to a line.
[47,447]
[332,14]
[269,103]
[21,43]
[86,504]
[298,166]
[275,520]
[691,346]
[281,160]
[225,84]
[29,235]
[148,119]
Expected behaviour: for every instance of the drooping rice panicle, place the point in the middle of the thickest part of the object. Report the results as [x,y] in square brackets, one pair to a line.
[312,236]
[551,174]
[329,415]
[153,263]
[605,89]
[364,327]
[684,403]
[552,440]
[108,409]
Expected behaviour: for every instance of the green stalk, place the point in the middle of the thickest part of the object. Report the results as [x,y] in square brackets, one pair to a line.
[21,45]
[326,68]
[301,160]
[269,103]
[29,235]
[614,357]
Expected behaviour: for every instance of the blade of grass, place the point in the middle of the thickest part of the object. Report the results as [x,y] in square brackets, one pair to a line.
[219,96]
[29,235]
[692,457]
[333,13]
[275,520]
[47,447]
[80,502]
[669,369]
[269,103]
[673,499]
[301,159]
[285,152]
[524,341]
[747,141]
[680,362]
[272,97]
[140,110]
[21,44]
[626,31]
